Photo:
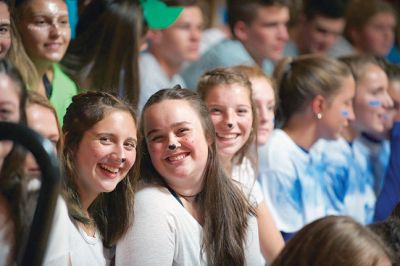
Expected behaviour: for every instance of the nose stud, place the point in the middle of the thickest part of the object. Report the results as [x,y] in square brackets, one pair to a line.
[230,125]
[172,147]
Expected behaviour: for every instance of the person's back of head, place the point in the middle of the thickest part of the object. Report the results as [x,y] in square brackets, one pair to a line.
[389,232]
[104,56]
[334,240]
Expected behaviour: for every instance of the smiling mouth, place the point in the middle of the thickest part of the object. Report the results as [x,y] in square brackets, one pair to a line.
[177,158]
[230,136]
[109,169]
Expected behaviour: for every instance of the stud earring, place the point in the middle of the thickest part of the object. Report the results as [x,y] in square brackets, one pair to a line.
[319,116]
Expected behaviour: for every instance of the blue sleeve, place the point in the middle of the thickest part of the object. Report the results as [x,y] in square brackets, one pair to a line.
[390,194]
[287,236]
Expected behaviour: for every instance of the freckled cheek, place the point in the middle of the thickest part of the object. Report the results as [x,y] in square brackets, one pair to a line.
[188,140]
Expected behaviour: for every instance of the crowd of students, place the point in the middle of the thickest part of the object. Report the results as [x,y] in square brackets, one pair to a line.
[175,157]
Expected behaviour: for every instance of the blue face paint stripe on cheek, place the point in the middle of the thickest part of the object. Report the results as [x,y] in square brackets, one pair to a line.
[345,113]
[374,103]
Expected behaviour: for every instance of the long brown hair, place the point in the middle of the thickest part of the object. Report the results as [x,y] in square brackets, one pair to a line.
[230,76]
[105,52]
[331,241]
[110,212]
[226,210]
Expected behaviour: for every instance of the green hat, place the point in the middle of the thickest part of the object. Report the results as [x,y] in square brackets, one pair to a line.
[158,15]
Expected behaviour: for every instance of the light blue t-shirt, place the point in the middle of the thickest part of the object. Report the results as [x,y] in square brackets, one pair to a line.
[224,54]
[349,178]
[292,184]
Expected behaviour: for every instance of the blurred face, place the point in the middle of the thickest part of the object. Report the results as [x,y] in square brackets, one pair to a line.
[338,111]
[394,113]
[5,30]
[264,98]
[377,36]
[176,123]
[9,110]
[321,33]
[43,121]
[105,154]
[181,41]
[372,101]
[45,30]
[266,36]
[231,114]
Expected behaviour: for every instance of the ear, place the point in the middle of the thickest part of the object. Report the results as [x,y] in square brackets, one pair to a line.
[318,104]
[240,30]
[154,36]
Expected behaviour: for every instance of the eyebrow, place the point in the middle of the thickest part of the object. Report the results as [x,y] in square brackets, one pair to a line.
[173,126]
[112,135]
[60,13]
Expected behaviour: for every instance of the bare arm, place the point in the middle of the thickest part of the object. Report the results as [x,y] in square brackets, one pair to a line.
[271,240]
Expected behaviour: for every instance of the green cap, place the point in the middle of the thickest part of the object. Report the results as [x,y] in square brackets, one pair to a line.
[158,15]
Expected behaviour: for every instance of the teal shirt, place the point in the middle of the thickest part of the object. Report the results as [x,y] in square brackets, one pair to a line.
[63,91]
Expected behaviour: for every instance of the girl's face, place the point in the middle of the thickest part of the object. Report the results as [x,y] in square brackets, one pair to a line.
[43,121]
[45,30]
[264,98]
[5,30]
[231,113]
[175,122]
[372,102]
[106,153]
[9,109]
[338,111]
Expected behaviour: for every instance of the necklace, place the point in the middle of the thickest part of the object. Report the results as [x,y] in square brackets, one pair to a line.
[187,196]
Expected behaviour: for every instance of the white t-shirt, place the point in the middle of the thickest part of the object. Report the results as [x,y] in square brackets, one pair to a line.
[244,174]
[84,249]
[165,233]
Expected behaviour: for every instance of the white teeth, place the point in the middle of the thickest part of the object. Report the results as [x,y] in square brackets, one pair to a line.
[176,158]
[227,136]
[109,168]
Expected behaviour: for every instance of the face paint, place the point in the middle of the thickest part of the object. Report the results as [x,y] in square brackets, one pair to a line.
[386,117]
[345,113]
[374,103]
